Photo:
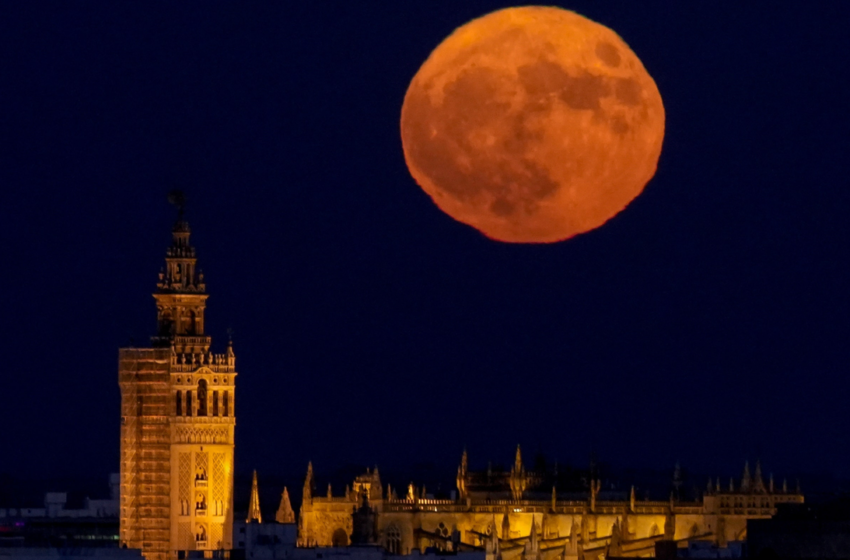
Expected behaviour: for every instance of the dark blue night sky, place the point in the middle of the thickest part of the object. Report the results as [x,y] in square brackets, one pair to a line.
[708,323]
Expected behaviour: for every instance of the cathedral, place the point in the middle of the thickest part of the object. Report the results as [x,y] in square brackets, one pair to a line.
[525,513]
[177,456]
[177,422]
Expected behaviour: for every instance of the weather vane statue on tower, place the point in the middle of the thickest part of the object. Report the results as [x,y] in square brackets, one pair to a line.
[178,199]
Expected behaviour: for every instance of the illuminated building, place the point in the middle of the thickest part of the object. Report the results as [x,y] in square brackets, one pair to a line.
[524,513]
[177,422]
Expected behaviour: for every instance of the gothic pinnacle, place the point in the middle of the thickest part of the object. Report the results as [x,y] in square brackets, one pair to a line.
[285,513]
[254,513]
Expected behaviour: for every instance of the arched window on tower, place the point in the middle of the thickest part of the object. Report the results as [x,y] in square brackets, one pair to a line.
[193,323]
[166,323]
[189,403]
[202,397]
[215,403]
[178,402]
[225,401]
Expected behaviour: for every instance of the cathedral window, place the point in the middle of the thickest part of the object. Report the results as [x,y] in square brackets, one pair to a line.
[393,539]
[188,403]
[215,403]
[225,401]
[178,402]
[202,397]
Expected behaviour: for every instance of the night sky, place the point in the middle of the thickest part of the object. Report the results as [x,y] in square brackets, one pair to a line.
[707,323]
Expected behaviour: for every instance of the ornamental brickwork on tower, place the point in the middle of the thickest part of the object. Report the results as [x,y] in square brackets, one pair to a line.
[177,422]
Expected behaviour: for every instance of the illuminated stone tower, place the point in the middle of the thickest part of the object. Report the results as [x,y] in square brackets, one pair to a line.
[177,422]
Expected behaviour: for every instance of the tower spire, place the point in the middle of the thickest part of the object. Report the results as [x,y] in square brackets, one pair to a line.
[461,475]
[254,513]
[518,479]
[181,292]
[308,484]
[745,478]
[285,513]
[758,482]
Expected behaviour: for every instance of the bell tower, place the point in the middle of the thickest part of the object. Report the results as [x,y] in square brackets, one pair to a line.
[177,420]
[180,295]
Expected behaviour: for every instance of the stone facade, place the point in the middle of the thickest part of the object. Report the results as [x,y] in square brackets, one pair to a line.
[511,515]
[177,422]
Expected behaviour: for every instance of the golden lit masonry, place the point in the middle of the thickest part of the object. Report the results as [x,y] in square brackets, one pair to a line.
[536,514]
[177,422]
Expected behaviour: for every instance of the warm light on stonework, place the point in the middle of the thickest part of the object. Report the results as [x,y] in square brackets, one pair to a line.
[177,423]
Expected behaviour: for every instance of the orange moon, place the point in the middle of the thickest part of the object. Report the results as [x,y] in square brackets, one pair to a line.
[532,125]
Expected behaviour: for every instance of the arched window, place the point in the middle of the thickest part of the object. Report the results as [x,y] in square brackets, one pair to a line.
[166,323]
[339,538]
[393,539]
[178,403]
[201,534]
[200,502]
[193,322]
[188,403]
[202,397]
[225,401]
[215,403]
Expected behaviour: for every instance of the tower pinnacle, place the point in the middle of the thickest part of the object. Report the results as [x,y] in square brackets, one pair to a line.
[254,513]
[181,292]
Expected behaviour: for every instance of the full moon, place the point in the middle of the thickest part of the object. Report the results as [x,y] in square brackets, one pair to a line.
[532,125]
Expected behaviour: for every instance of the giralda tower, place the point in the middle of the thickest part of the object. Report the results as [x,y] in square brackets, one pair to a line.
[177,421]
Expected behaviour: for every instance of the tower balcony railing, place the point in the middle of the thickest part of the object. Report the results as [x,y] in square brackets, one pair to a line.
[200,509]
[200,483]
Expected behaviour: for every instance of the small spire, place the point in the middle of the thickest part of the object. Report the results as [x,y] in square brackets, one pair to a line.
[518,459]
[745,478]
[770,483]
[492,548]
[285,513]
[595,487]
[758,485]
[784,485]
[254,513]
[554,498]
[307,494]
[533,535]
[330,493]
[709,489]
[615,546]
[731,484]
[632,499]
[677,477]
